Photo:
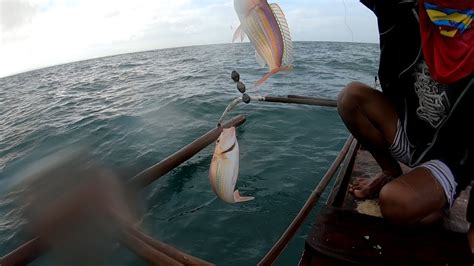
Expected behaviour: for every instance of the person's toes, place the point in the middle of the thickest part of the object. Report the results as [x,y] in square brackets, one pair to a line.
[360,194]
[360,183]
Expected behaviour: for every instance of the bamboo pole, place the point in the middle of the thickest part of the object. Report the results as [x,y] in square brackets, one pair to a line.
[156,171]
[285,238]
[170,251]
[24,254]
[147,252]
[300,100]
[291,99]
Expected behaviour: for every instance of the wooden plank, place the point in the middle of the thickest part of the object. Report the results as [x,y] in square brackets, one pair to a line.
[351,237]
[310,259]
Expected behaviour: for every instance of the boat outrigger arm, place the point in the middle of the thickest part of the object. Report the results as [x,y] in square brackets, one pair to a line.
[293,99]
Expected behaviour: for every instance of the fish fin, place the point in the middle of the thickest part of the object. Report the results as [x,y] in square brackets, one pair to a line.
[287,57]
[271,73]
[239,33]
[238,198]
[261,62]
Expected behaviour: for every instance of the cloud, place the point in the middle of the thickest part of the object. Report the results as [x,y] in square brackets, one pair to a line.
[40,33]
[331,20]
[15,13]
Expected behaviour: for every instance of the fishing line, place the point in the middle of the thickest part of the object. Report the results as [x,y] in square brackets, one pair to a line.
[345,20]
[244,99]
[192,210]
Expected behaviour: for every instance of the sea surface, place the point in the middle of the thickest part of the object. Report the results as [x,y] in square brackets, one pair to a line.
[133,110]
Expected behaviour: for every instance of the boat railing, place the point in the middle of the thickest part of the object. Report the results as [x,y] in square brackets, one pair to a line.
[349,148]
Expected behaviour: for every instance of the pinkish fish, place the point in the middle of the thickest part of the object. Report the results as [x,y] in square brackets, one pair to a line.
[224,169]
[266,27]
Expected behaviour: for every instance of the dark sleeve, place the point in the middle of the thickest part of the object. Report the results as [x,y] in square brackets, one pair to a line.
[378,6]
[384,11]
[370,4]
[389,9]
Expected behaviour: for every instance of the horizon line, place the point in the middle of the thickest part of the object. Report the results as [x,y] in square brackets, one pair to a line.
[157,49]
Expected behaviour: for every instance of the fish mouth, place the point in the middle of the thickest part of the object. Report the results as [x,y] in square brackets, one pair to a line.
[229,149]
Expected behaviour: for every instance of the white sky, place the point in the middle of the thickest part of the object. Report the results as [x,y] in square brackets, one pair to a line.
[39,33]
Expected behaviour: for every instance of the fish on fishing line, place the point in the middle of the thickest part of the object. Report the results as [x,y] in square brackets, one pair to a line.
[266,27]
[224,169]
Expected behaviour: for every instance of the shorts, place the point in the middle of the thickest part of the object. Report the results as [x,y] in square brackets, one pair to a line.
[401,150]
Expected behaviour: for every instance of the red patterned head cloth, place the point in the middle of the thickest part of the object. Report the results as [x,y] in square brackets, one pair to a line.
[447,36]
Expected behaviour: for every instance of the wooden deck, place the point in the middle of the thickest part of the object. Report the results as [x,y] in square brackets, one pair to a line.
[347,231]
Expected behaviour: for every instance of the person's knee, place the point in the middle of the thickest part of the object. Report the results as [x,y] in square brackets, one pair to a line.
[395,205]
[350,97]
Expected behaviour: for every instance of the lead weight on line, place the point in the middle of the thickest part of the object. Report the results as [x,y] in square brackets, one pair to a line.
[235,76]
[245,98]
[241,87]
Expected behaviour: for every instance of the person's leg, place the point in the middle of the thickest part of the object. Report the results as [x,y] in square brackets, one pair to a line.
[372,120]
[414,198]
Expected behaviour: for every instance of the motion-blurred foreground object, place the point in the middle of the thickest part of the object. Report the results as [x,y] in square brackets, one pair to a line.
[75,189]
[75,206]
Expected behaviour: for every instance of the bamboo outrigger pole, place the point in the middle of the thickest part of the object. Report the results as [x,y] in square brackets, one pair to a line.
[292,99]
[285,238]
[300,100]
[147,252]
[166,249]
[24,254]
[151,174]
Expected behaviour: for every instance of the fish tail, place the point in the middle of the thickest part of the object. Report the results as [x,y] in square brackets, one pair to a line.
[271,73]
[263,79]
[239,34]
[238,198]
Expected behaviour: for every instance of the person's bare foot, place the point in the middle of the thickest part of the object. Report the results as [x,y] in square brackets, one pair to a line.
[363,188]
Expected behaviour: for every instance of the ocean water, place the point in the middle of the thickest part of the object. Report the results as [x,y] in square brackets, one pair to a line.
[133,110]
